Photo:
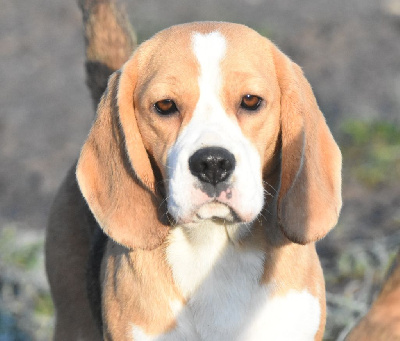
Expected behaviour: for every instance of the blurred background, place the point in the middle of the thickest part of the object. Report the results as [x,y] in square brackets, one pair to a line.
[350,53]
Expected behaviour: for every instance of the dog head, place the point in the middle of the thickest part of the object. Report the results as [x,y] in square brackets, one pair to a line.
[193,124]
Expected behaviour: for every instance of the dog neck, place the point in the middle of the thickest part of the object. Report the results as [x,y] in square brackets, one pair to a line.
[207,248]
[222,280]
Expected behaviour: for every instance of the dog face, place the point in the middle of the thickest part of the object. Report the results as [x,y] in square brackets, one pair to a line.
[210,146]
[208,110]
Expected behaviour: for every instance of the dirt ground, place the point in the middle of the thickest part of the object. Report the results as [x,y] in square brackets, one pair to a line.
[349,50]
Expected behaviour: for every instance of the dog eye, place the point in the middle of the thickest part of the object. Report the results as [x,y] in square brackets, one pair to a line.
[250,102]
[166,107]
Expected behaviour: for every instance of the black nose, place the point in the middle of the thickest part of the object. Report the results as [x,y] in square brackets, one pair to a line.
[212,164]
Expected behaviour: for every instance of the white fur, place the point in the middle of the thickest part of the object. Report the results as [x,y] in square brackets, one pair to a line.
[211,126]
[225,300]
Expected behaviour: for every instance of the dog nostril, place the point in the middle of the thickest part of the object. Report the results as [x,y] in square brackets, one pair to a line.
[212,164]
[225,165]
[202,167]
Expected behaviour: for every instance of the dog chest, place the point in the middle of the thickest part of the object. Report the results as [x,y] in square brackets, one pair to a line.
[224,297]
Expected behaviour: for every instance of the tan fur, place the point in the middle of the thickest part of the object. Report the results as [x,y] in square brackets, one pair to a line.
[382,322]
[310,194]
[121,171]
[149,275]
[110,183]
[109,42]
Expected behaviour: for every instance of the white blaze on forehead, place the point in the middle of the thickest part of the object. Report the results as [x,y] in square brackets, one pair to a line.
[209,50]
[211,126]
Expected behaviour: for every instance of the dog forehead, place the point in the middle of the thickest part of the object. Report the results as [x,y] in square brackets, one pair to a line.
[175,51]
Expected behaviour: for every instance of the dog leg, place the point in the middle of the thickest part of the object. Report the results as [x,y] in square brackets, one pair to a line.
[67,251]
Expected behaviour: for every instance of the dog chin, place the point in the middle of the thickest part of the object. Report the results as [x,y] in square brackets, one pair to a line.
[216,211]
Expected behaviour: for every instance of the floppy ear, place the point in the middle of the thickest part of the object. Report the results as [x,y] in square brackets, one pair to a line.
[309,199]
[114,171]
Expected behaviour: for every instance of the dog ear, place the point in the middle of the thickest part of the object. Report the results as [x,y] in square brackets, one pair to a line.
[309,198]
[114,172]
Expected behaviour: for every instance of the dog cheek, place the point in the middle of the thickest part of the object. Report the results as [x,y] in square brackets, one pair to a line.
[248,194]
[249,206]
[179,199]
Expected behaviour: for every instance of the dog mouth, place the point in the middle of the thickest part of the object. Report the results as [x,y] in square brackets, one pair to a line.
[228,203]
[224,209]
[217,212]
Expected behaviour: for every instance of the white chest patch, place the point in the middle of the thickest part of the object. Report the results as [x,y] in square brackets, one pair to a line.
[225,301]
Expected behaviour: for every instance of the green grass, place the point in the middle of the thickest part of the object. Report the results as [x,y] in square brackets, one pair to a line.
[371,151]
[44,304]
[27,310]
[24,257]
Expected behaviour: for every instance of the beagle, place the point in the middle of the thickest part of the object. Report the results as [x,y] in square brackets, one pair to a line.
[206,178]
[382,322]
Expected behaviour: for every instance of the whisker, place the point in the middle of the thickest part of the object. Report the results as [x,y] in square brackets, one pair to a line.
[168,215]
[164,200]
[162,181]
[268,194]
[262,215]
[266,183]
[248,228]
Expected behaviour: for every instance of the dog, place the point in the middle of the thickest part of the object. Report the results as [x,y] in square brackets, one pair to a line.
[382,322]
[193,210]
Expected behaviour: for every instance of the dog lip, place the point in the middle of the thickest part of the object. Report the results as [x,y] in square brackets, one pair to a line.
[214,210]
[219,209]
[220,212]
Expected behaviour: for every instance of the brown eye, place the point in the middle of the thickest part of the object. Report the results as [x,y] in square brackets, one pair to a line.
[166,107]
[250,102]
